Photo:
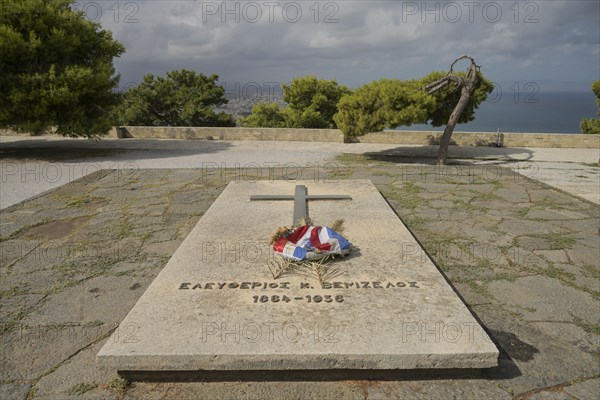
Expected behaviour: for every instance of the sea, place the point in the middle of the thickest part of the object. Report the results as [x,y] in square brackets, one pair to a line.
[526,110]
[541,112]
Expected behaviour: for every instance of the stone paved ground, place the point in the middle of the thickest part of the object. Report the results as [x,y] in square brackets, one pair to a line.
[524,256]
[32,165]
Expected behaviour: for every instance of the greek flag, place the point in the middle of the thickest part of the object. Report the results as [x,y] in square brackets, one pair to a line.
[311,243]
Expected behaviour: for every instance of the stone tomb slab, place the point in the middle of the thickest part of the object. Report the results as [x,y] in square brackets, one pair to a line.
[216,306]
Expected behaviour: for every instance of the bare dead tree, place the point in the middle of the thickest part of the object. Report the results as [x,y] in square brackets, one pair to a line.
[466,86]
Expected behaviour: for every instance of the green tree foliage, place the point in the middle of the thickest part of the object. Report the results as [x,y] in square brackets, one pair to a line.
[312,103]
[182,98]
[389,103]
[57,69]
[265,115]
[592,125]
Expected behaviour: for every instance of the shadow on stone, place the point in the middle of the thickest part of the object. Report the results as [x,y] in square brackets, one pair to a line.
[428,154]
[63,150]
[318,375]
[56,229]
[510,348]
[514,348]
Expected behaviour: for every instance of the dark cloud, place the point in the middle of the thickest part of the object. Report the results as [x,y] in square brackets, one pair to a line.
[357,41]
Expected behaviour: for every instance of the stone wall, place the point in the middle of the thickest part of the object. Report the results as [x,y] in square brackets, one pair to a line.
[553,140]
[278,134]
[549,140]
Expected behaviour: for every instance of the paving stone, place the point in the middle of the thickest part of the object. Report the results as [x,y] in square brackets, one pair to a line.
[129,196]
[504,213]
[66,210]
[439,389]
[30,281]
[151,201]
[181,218]
[585,255]
[546,299]
[455,215]
[516,227]
[537,360]
[15,249]
[583,277]
[439,226]
[525,259]
[513,194]
[147,266]
[165,233]
[589,238]
[447,251]
[485,238]
[571,333]
[14,391]
[14,306]
[247,390]
[191,197]
[166,248]
[63,383]
[473,298]
[185,208]
[440,204]
[91,301]
[587,389]
[56,229]
[499,262]
[473,273]
[149,210]
[549,196]
[533,243]
[432,195]
[28,352]
[427,213]
[434,187]
[549,395]
[553,215]
[481,188]
[554,256]
[502,208]
[487,221]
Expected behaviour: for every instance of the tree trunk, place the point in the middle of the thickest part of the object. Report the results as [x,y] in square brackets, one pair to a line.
[466,90]
[465,95]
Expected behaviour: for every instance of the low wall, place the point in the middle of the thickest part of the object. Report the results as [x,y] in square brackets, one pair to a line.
[553,140]
[273,134]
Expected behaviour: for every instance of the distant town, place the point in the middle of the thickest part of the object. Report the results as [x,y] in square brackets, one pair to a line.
[242,100]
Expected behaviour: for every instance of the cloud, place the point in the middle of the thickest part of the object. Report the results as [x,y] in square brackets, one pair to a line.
[355,41]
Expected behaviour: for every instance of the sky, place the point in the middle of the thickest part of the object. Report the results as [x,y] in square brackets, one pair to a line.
[553,44]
